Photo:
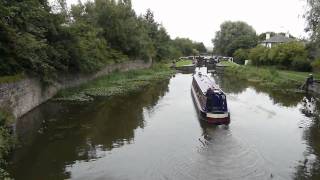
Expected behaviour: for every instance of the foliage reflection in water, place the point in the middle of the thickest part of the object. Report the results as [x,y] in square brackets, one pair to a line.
[59,134]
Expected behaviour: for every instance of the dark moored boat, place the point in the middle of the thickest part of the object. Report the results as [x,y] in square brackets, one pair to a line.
[210,100]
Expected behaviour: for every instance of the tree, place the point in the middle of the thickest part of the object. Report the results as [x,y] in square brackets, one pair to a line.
[200,47]
[313,27]
[233,36]
[313,19]
[26,29]
[43,41]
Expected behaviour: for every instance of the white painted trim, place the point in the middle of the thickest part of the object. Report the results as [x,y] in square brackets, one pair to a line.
[210,115]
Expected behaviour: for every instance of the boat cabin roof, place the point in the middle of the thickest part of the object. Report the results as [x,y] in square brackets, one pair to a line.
[205,82]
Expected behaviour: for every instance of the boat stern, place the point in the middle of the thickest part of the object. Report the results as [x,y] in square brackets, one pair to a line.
[218,118]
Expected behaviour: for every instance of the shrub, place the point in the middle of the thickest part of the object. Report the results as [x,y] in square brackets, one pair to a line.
[316,65]
[290,55]
[288,52]
[241,55]
[258,55]
[300,64]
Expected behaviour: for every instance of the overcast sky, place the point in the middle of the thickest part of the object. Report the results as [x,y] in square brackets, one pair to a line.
[200,19]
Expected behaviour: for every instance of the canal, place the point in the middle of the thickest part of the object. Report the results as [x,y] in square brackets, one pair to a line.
[156,134]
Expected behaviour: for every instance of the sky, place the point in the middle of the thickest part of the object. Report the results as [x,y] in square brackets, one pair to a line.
[200,19]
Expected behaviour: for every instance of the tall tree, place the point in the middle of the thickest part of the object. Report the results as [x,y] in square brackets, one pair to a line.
[313,27]
[233,36]
[313,19]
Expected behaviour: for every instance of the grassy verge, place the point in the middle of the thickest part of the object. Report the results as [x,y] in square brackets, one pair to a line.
[7,141]
[9,79]
[228,63]
[117,83]
[270,77]
[183,63]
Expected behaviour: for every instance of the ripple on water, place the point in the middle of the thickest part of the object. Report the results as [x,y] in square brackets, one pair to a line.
[219,155]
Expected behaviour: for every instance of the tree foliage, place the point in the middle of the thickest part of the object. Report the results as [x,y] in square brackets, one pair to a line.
[313,27]
[292,55]
[241,55]
[233,36]
[43,40]
[313,19]
[188,47]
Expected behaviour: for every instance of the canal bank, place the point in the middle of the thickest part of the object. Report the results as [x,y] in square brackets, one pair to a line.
[270,77]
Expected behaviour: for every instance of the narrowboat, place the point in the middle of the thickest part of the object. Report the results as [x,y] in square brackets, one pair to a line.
[210,100]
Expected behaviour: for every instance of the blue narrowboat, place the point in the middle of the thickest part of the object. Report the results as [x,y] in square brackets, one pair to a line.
[210,100]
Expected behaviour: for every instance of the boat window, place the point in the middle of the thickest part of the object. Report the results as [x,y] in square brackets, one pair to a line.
[216,102]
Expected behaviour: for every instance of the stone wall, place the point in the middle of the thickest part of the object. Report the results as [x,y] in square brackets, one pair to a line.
[22,96]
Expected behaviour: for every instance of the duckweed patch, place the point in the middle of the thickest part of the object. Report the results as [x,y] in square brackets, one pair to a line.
[117,83]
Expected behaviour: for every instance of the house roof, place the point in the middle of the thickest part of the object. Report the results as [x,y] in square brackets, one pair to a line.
[278,39]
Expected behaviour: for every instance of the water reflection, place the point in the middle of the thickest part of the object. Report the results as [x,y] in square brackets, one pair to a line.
[309,167]
[58,134]
[230,84]
[235,85]
[309,105]
[273,135]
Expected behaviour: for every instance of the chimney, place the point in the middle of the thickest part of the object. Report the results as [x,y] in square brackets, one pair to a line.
[267,36]
[288,35]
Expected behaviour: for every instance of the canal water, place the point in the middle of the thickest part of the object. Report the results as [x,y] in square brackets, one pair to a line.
[156,134]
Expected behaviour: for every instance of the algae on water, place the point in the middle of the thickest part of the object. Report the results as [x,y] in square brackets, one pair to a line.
[118,83]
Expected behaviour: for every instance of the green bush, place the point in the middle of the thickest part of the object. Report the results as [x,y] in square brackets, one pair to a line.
[290,55]
[241,55]
[288,52]
[300,64]
[316,65]
[258,55]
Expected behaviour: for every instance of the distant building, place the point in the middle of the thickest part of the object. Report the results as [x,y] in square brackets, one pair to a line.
[276,39]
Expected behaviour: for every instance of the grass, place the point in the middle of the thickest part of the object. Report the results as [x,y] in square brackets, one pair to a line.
[117,83]
[183,63]
[13,78]
[270,77]
[298,76]
[228,63]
